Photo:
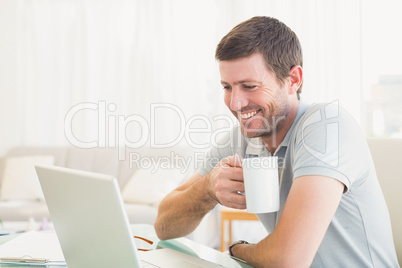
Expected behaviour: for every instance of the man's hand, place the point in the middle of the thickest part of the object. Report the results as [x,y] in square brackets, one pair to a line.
[197,196]
[226,182]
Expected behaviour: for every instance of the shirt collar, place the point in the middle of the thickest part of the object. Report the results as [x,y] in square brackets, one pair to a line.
[255,146]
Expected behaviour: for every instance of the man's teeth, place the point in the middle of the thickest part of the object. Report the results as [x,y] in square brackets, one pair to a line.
[248,115]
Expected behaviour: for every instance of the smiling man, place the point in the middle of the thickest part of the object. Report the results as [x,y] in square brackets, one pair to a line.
[332,211]
[264,106]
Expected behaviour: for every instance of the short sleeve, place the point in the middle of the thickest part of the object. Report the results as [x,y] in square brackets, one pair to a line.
[328,142]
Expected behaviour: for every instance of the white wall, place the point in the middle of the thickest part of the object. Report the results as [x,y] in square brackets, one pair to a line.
[120,59]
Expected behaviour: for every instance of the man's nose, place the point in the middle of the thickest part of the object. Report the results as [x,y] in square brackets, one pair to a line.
[238,100]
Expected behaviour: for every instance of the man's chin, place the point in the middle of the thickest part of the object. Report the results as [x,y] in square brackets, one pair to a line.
[255,133]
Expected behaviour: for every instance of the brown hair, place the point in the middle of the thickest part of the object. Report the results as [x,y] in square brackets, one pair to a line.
[272,38]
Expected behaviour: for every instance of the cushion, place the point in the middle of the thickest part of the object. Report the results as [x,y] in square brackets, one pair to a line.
[147,186]
[20,181]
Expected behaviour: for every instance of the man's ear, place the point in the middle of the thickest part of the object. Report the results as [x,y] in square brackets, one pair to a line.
[295,78]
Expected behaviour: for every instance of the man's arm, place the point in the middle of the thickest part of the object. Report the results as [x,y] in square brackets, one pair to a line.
[182,210]
[309,209]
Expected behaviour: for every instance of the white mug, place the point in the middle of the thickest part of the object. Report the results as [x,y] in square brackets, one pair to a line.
[261,184]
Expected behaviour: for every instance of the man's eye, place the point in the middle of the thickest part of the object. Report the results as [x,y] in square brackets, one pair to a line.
[226,87]
[249,86]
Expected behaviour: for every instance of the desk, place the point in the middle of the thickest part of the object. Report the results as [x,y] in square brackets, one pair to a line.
[181,244]
[228,214]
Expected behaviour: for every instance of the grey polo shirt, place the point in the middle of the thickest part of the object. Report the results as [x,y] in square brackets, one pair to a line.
[325,140]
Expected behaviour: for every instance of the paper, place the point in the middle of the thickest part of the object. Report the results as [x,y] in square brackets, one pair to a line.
[36,245]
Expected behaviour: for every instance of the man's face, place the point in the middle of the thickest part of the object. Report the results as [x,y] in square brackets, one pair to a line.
[254,96]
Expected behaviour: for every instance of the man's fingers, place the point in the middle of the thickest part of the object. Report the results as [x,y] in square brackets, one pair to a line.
[233,161]
[227,182]
[238,187]
[236,200]
[234,167]
[231,196]
[236,174]
[226,169]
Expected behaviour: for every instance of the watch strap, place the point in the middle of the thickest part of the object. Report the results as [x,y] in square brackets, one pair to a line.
[236,243]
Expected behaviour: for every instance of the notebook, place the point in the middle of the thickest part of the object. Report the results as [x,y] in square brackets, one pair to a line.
[91,224]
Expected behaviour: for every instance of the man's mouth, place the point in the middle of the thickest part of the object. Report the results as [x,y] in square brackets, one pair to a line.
[248,115]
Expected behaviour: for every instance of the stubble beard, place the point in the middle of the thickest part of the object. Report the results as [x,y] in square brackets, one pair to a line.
[268,125]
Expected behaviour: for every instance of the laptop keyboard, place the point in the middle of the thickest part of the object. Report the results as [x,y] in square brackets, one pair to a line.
[145,264]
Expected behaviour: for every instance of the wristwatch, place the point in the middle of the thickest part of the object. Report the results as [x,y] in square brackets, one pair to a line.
[234,244]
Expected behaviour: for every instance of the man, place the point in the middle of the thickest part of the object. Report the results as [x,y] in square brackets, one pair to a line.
[332,211]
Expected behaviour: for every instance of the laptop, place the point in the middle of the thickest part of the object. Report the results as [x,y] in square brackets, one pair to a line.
[91,224]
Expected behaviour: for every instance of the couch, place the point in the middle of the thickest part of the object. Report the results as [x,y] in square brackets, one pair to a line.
[138,173]
[145,176]
[387,155]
